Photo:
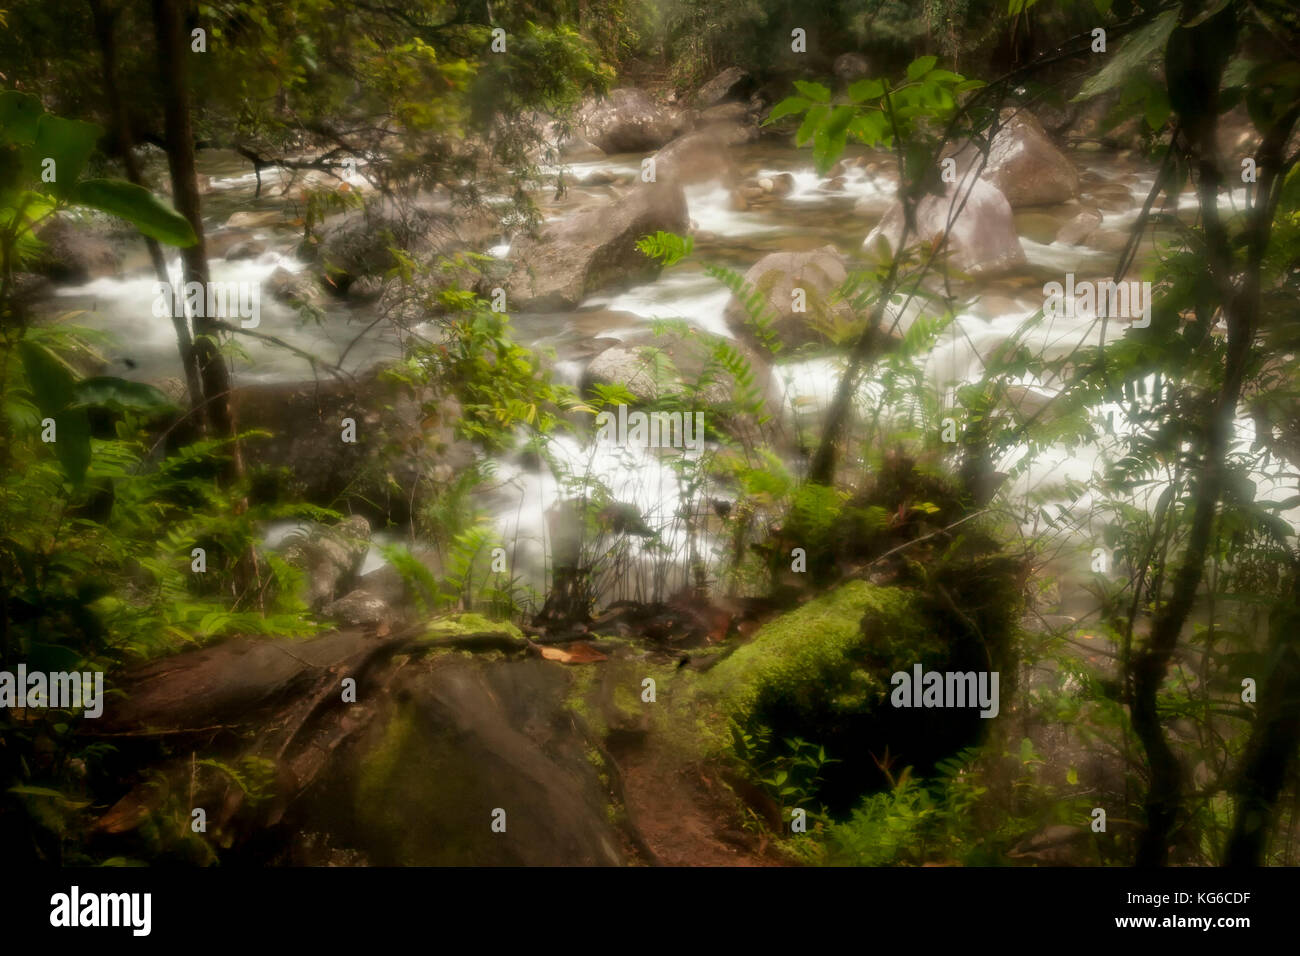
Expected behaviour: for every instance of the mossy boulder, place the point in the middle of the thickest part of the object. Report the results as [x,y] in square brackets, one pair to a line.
[822,673]
[454,740]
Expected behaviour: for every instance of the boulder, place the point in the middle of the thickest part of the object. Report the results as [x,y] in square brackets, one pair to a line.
[851,66]
[698,157]
[825,672]
[1077,231]
[724,113]
[576,149]
[297,289]
[329,557]
[246,249]
[357,608]
[726,85]
[627,121]
[253,219]
[782,184]
[817,271]
[681,364]
[983,239]
[356,244]
[1023,163]
[76,252]
[643,371]
[1094,123]
[594,249]
[405,440]
[452,742]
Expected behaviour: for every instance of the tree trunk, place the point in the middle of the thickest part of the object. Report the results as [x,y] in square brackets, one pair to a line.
[120,127]
[172,53]
[1271,750]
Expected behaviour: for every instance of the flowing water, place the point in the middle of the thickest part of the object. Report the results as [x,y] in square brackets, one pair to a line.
[818,211]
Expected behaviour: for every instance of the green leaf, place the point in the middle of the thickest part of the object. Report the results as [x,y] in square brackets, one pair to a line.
[20,114]
[866,89]
[69,143]
[791,104]
[1235,73]
[72,442]
[813,91]
[137,206]
[811,121]
[29,791]
[921,66]
[829,141]
[1137,52]
[120,393]
[50,379]
[1158,110]
[54,387]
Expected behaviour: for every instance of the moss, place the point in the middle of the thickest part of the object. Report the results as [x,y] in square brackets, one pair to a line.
[628,702]
[582,684]
[461,624]
[822,673]
[381,764]
[819,659]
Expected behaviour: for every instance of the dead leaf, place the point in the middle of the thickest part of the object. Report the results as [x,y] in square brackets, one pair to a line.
[579,652]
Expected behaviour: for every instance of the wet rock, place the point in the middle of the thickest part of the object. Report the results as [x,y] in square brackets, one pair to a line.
[731,133]
[358,607]
[726,85]
[251,219]
[1111,196]
[873,205]
[682,365]
[1078,230]
[76,252]
[246,249]
[297,289]
[1023,163]
[818,272]
[594,249]
[700,156]
[983,239]
[28,288]
[627,121]
[1038,224]
[641,371]
[782,184]
[598,177]
[737,113]
[575,148]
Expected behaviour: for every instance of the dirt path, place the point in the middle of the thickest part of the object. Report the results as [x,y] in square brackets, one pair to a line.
[684,817]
